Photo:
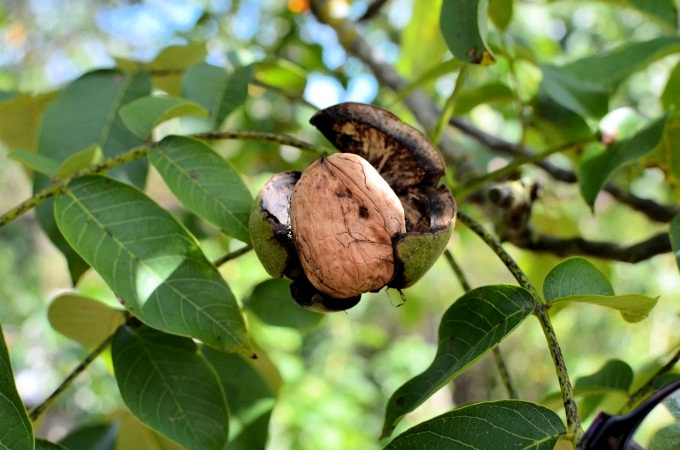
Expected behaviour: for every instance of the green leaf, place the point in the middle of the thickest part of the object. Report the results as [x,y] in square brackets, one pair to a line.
[596,168]
[584,97]
[614,375]
[134,435]
[422,27]
[281,74]
[463,24]
[74,122]
[666,157]
[83,319]
[41,444]
[218,91]
[500,424]
[472,326]
[500,13]
[150,261]
[79,161]
[168,67]
[662,10]
[20,117]
[674,234]
[205,183]
[34,161]
[141,116]
[271,301]
[99,436]
[575,276]
[250,398]
[495,92]
[167,383]
[633,307]
[16,432]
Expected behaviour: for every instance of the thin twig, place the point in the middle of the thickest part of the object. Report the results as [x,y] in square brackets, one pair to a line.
[541,312]
[497,354]
[80,368]
[232,255]
[138,152]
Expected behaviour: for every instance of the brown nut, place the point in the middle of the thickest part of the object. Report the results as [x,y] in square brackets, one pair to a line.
[344,216]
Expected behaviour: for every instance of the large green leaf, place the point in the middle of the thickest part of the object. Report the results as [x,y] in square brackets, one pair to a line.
[150,261]
[271,301]
[575,276]
[83,319]
[577,280]
[16,432]
[584,85]
[86,114]
[472,326]
[614,375]
[250,398]
[41,444]
[167,383]
[205,183]
[217,90]
[674,234]
[463,24]
[584,97]
[501,424]
[142,115]
[598,166]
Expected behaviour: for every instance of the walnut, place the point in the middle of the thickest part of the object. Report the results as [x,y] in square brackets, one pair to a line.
[355,222]
[344,216]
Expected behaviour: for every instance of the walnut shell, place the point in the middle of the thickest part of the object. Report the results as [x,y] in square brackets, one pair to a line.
[344,216]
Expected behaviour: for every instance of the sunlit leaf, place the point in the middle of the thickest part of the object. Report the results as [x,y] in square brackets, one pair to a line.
[597,167]
[472,326]
[167,383]
[250,398]
[463,24]
[79,161]
[99,436]
[633,307]
[151,262]
[34,161]
[217,90]
[142,115]
[494,92]
[272,302]
[205,183]
[500,12]
[613,375]
[16,432]
[134,435]
[74,122]
[281,74]
[575,276]
[500,424]
[83,319]
[422,27]
[20,118]
[169,65]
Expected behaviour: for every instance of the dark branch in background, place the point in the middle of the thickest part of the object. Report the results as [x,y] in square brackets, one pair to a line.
[427,114]
[650,208]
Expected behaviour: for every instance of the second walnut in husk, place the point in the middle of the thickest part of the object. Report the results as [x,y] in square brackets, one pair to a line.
[354,222]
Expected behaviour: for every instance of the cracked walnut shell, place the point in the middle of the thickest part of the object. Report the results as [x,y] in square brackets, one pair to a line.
[343,218]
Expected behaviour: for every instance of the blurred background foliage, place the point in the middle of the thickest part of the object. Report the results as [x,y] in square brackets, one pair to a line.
[337,372]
